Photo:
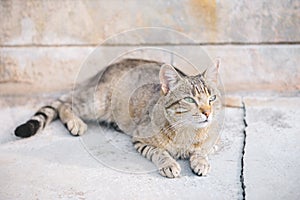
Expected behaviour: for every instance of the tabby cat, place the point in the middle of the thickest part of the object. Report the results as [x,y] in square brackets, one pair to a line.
[168,114]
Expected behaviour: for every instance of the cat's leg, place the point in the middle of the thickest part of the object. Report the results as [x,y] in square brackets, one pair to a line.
[199,164]
[72,122]
[168,167]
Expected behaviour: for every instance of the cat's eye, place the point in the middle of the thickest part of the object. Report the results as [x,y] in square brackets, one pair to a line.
[212,98]
[189,99]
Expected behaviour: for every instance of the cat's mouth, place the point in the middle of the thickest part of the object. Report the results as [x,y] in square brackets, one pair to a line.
[203,123]
[200,121]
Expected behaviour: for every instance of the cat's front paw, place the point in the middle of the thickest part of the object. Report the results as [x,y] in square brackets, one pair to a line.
[76,126]
[200,166]
[170,170]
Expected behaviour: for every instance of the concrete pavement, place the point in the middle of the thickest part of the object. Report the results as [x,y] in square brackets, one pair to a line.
[258,158]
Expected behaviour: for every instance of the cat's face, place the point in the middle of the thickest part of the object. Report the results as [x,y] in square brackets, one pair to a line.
[189,99]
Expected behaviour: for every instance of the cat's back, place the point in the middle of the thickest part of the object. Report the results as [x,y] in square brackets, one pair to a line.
[120,80]
[111,74]
[115,72]
[133,83]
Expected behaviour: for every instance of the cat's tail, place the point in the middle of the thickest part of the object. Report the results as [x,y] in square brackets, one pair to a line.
[39,120]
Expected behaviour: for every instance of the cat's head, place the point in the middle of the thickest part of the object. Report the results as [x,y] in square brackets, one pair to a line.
[189,100]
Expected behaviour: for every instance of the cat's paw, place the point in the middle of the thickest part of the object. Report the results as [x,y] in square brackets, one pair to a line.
[170,170]
[76,126]
[200,166]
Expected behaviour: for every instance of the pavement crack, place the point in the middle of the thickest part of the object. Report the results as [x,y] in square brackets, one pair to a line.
[242,180]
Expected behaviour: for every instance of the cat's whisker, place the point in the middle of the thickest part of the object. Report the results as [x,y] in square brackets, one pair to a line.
[175,125]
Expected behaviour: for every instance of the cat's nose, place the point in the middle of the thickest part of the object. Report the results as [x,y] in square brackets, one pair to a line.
[206,113]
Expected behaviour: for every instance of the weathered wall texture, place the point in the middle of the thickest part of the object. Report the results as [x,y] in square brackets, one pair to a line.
[44,43]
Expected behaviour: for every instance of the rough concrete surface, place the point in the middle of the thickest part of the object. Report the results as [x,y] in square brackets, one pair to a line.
[55,165]
[272,151]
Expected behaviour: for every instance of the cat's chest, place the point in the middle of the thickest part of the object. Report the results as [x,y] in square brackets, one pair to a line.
[184,143]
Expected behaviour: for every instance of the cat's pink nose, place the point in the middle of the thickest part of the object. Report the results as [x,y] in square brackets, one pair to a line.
[206,113]
[205,110]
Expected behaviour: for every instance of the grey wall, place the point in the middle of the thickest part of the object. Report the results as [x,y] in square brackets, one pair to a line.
[43,44]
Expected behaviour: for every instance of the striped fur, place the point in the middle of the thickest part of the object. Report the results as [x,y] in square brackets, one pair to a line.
[167,166]
[39,120]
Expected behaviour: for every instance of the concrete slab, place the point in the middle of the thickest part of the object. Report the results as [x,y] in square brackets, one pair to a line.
[28,70]
[85,22]
[272,158]
[54,165]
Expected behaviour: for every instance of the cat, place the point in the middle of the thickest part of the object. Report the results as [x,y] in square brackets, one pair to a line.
[167,113]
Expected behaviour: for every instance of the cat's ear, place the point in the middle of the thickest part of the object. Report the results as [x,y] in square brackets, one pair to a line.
[168,78]
[211,73]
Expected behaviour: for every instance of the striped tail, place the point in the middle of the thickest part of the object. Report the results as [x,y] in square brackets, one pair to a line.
[40,119]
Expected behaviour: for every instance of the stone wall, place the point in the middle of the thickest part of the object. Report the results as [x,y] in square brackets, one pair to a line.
[44,43]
